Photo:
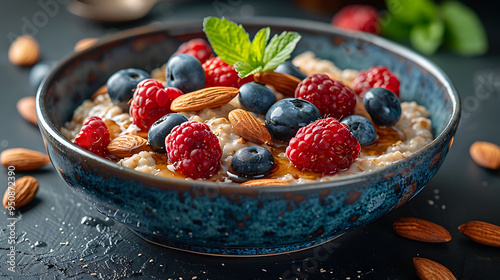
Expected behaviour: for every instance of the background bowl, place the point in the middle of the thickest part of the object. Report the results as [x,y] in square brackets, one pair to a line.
[227,219]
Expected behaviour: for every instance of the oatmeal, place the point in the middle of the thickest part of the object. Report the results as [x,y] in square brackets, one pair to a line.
[310,64]
[411,132]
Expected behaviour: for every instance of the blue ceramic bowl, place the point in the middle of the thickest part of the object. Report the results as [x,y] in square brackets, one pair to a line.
[227,219]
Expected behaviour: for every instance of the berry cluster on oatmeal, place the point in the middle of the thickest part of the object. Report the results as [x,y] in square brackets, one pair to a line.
[275,120]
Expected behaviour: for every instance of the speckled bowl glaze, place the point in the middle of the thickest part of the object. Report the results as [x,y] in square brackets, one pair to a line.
[227,219]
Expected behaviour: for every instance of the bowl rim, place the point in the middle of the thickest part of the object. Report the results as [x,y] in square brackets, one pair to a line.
[278,22]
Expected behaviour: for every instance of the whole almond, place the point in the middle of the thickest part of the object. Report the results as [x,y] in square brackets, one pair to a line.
[282,82]
[23,159]
[27,109]
[421,230]
[211,97]
[21,192]
[249,127]
[84,44]
[264,182]
[127,145]
[482,232]
[24,51]
[485,154]
[431,270]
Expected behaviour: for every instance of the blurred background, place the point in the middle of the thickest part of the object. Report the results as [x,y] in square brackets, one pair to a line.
[397,19]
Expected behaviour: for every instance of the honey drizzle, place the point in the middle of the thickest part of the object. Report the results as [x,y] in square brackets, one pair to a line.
[113,128]
[386,137]
[283,167]
[161,165]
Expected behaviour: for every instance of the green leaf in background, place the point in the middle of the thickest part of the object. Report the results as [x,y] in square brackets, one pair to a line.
[427,38]
[229,40]
[279,49]
[412,11]
[465,32]
[429,26]
[393,28]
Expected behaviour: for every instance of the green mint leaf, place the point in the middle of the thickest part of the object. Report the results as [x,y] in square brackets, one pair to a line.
[259,44]
[245,69]
[465,32]
[232,44]
[426,38]
[412,11]
[258,47]
[229,40]
[279,49]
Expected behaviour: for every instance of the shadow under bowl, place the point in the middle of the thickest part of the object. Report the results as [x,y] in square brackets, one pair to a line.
[227,219]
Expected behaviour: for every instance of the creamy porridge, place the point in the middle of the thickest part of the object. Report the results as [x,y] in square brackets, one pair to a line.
[409,134]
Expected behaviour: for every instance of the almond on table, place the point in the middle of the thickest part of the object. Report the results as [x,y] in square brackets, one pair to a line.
[27,109]
[421,230]
[485,154]
[24,51]
[21,192]
[23,159]
[431,270]
[482,232]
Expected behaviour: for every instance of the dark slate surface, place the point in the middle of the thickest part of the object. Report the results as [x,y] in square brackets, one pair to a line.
[58,236]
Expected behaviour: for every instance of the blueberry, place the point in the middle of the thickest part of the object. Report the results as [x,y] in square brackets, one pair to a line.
[252,162]
[161,129]
[185,73]
[121,85]
[382,105]
[288,68]
[288,115]
[361,128]
[256,97]
[39,71]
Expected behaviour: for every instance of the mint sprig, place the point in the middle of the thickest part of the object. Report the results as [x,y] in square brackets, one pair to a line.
[232,44]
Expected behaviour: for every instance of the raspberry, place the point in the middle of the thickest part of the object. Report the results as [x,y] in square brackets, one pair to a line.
[332,97]
[377,76]
[198,48]
[219,73]
[358,17]
[151,101]
[324,146]
[194,150]
[94,136]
